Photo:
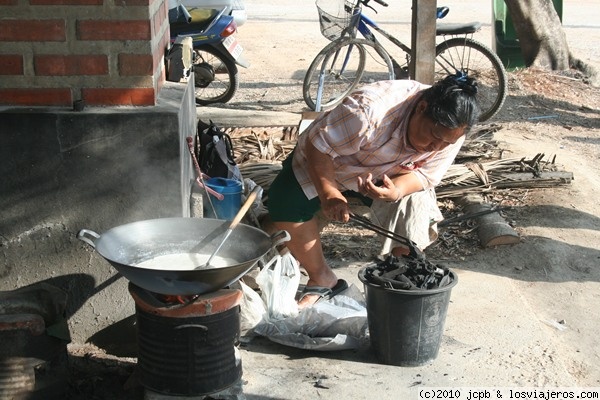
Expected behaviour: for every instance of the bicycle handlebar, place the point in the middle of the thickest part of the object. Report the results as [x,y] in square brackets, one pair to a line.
[440,12]
[383,3]
[366,3]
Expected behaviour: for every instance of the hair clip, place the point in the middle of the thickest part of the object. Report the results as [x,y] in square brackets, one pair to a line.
[459,77]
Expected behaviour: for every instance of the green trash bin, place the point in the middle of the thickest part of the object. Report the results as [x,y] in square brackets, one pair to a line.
[505,41]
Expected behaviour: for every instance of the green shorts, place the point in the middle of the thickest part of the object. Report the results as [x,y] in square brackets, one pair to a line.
[287,202]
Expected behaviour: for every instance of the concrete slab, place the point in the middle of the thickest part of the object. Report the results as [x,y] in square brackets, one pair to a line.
[230,117]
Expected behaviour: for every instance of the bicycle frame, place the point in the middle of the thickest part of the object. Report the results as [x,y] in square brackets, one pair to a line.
[363,27]
[342,62]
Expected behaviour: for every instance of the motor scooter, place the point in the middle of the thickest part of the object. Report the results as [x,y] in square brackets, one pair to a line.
[216,53]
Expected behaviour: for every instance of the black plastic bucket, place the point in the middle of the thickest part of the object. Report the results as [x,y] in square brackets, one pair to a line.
[406,326]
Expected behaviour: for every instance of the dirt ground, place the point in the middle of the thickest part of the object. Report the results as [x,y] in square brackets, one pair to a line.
[559,227]
[556,265]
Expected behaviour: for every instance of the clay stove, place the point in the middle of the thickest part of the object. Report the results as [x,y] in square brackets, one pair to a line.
[187,343]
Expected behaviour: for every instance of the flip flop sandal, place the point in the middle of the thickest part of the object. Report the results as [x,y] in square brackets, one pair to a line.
[324,292]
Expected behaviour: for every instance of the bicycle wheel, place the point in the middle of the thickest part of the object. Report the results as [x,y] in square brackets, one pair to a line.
[215,76]
[478,62]
[341,66]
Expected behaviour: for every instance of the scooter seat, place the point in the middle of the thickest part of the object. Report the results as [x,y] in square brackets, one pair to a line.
[201,18]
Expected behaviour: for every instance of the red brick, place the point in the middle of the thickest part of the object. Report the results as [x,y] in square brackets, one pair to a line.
[60,65]
[119,97]
[113,30]
[9,2]
[135,64]
[67,2]
[36,97]
[50,30]
[11,64]
[155,26]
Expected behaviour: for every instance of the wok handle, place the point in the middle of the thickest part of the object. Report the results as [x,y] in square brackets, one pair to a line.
[88,236]
[277,242]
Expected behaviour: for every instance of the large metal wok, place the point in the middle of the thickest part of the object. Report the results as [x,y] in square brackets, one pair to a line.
[127,245]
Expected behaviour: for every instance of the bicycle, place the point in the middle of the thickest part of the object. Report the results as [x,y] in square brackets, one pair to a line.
[341,65]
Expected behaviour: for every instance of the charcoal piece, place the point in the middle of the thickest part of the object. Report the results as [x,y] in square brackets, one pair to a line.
[408,274]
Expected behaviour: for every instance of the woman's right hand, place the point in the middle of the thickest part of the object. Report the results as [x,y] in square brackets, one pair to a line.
[335,206]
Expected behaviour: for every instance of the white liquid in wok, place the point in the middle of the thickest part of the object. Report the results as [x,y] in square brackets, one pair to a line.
[185,261]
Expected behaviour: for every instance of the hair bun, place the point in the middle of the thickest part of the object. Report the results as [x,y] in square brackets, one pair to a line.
[460,81]
[452,101]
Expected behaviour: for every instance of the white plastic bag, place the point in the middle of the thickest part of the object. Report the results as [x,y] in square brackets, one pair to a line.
[278,281]
[331,324]
[252,310]
[335,324]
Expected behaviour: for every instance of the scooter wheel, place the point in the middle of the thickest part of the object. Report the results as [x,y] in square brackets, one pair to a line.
[215,76]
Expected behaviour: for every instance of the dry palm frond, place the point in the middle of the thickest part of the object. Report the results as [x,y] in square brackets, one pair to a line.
[261,173]
[461,179]
[480,144]
[262,143]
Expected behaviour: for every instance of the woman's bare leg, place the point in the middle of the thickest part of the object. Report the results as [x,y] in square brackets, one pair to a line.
[305,246]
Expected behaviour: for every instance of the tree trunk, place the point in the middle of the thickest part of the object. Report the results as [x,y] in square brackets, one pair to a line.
[541,36]
[542,39]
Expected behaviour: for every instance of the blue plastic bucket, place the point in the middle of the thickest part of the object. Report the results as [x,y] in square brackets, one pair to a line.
[231,189]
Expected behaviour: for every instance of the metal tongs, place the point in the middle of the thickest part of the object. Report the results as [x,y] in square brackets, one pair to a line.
[415,252]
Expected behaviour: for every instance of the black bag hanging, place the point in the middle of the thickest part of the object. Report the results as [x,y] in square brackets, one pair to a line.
[214,150]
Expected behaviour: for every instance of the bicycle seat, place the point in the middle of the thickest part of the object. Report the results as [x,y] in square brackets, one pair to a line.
[456,29]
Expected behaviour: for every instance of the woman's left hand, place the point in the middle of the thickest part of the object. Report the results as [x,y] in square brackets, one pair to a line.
[387,191]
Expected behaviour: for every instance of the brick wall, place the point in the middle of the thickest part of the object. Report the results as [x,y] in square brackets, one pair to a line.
[105,52]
